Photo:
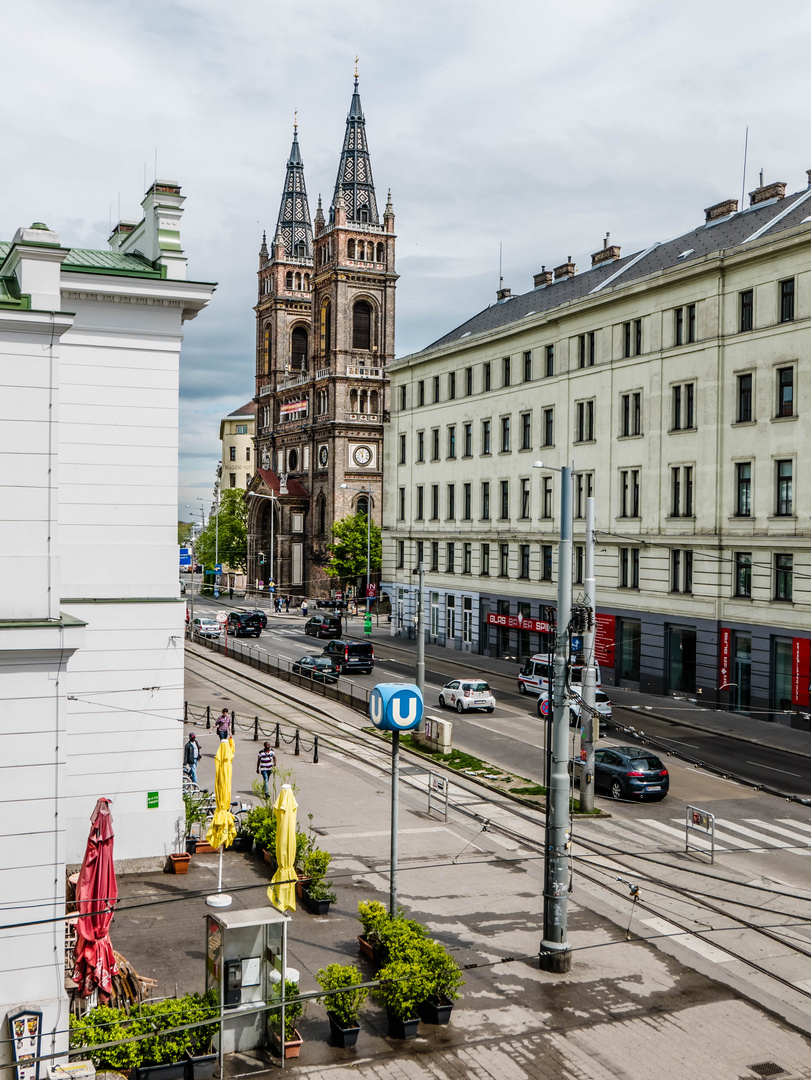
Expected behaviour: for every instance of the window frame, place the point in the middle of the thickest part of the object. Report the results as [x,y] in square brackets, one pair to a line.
[746,310]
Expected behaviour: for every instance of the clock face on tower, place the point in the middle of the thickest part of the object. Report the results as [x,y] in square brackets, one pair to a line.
[362,455]
[323,456]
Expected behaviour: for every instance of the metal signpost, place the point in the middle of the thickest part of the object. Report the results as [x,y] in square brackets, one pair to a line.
[222,619]
[702,822]
[588,708]
[395,707]
[438,788]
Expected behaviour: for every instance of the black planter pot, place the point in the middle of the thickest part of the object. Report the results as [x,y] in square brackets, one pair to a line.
[342,1036]
[175,1070]
[200,1068]
[242,843]
[436,1010]
[315,907]
[191,845]
[402,1029]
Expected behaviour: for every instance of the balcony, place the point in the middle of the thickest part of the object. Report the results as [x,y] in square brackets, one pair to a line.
[322,373]
[365,417]
[264,391]
[365,372]
[294,380]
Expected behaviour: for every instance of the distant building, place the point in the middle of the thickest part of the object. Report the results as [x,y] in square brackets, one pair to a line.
[237,433]
[674,379]
[91,623]
[325,334]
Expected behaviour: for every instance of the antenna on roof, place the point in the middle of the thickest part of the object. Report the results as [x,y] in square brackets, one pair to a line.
[500,276]
[761,177]
[745,149]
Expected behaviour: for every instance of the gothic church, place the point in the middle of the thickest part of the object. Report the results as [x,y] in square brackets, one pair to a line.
[325,335]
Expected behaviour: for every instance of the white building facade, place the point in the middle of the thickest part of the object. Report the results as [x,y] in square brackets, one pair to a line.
[91,624]
[677,382]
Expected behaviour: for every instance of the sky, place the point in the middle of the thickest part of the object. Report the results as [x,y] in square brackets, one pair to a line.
[528,125]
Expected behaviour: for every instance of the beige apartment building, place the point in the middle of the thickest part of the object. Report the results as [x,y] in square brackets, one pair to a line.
[237,432]
[677,382]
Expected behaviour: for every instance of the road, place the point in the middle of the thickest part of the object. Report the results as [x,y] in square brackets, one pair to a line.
[503,737]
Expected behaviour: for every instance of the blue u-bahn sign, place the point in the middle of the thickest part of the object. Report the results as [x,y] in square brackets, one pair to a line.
[396,706]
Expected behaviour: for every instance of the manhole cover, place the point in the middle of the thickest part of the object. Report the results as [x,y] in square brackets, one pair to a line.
[766,1068]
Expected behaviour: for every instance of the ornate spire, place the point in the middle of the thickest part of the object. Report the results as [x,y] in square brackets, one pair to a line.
[354,186]
[263,250]
[293,229]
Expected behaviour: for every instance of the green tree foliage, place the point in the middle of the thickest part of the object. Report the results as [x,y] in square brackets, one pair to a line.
[233,534]
[348,553]
[184,529]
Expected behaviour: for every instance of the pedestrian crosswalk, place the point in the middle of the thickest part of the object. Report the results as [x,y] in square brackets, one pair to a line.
[751,834]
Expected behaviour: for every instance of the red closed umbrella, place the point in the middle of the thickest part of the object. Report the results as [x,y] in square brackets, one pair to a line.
[96,894]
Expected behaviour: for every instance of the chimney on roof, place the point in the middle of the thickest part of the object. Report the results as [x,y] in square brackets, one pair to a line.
[808,174]
[721,209]
[565,270]
[503,294]
[609,252]
[777,190]
[545,276]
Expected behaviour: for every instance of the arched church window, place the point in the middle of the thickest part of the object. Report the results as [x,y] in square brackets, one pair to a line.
[298,280]
[326,327]
[373,400]
[361,250]
[292,460]
[298,350]
[362,506]
[363,213]
[353,401]
[307,282]
[289,279]
[361,325]
[381,253]
[363,400]
[322,515]
[350,249]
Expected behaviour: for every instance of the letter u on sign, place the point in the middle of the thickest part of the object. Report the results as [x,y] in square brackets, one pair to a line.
[398,719]
[396,706]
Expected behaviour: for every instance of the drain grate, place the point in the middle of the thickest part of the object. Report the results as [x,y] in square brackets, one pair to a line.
[767,1068]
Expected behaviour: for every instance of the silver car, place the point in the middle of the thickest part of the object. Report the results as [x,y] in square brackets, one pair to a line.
[206,627]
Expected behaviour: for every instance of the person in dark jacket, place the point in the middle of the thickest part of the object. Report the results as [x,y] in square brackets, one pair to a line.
[191,755]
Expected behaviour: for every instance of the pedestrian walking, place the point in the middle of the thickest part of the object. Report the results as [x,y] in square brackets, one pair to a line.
[223,725]
[304,608]
[230,592]
[191,755]
[265,763]
[287,605]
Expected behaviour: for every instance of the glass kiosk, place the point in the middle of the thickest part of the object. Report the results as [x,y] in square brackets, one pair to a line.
[246,962]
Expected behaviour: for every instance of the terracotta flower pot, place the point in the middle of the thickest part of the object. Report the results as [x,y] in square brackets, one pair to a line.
[178,863]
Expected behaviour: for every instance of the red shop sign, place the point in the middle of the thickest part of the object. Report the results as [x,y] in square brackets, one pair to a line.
[725,657]
[801,671]
[518,622]
[605,640]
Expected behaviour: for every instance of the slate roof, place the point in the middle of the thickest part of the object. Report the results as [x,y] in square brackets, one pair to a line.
[763,220]
[248,409]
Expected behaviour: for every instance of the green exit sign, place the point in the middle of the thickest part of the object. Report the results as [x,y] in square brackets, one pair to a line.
[152,800]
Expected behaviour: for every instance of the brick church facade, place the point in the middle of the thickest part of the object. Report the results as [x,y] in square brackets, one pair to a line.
[325,336]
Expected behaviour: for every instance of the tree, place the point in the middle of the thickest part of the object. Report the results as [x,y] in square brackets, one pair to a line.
[348,553]
[232,548]
[184,529]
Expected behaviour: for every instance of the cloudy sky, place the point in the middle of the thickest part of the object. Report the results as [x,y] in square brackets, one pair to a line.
[529,123]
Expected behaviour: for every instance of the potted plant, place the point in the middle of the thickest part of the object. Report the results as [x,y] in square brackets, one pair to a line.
[195,814]
[444,977]
[243,841]
[402,988]
[315,891]
[292,1013]
[346,999]
[372,915]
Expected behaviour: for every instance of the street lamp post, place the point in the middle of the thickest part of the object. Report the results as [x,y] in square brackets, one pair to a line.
[420,630]
[273,500]
[368,492]
[556,953]
[588,710]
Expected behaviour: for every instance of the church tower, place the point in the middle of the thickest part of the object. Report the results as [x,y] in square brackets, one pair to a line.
[322,353]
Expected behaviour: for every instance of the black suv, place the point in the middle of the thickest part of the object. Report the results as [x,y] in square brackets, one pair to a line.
[244,624]
[323,626]
[351,655]
[261,615]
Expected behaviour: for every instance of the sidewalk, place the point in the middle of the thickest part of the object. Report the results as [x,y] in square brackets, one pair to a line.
[625,1009]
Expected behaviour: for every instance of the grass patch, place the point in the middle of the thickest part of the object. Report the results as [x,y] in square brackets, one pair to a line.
[534,789]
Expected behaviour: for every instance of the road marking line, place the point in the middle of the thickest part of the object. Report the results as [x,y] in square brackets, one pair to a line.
[383,832]
[690,941]
[768,841]
[700,841]
[719,836]
[795,824]
[804,841]
[783,772]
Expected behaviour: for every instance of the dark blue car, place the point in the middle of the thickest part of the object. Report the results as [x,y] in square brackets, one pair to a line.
[630,772]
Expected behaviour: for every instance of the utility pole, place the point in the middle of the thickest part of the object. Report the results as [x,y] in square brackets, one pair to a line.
[420,630]
[368,547]
[589,687]
[556,953]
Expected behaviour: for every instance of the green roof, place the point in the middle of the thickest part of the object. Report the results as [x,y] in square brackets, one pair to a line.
[87,261]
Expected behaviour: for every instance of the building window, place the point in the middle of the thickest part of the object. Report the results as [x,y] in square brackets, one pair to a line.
[629,568]
[785,492]
[550,360]
[467,558]
[782,673]
[452,441]
[232,453]
[691,323]
[783,577]
[421,392]
[546,497]
[232,479]
[434,555]
[420,502]
[525,498]
[420,553]
[584,421]
[402,449]
[400,554]
[524,560]
[631,414]
[484,560]
[526,431]
[581,350]
[485,436]
[451,501]
[242,429]
[546,562]
[503,560]
[678,326]
[549,427]
[436,388]
[469,381]
[506,370]
[466,502]
[743,573]
[637,337]
[579,559]
[527,367]
[361,326]
[681,571]
[486,500]
[744,411]
[450,558]
[434,502]
[468,437]
[785,391]
[787,300]
[435,444]
[487,376]
[505,499]
[401,504]
[451,385]
[681,491]
[684,413]
[590,348]
[583,489]
[629,493]
[747,309]
[505,434]
[420,446]
[434,629]
[743,489]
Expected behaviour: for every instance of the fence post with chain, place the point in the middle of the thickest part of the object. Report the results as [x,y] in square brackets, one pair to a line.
[315,749]
[278,739]
[256,729]
[297,751]
[208,716]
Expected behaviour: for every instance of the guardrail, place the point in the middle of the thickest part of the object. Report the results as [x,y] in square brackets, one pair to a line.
[201,714]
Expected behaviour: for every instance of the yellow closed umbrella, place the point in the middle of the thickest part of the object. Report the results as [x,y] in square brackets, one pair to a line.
[283,896]
[221,831]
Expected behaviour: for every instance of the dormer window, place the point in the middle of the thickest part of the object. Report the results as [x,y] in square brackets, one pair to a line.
[363,214]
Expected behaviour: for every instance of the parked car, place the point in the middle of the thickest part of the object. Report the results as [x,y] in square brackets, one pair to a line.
[323,626]
[630,772]
[261,615]
[205,627]
[318,668]
[351,655]
[244,624]
[538,673]
[182,588]
[601,703]
[331,604]
[464,694]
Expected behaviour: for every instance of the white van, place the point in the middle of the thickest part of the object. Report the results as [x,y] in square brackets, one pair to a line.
[538,673]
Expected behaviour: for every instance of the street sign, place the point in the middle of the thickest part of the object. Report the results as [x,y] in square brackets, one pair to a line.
[577,644]
[544,707]
[396,706]
[185,557]
[371,590]
[222,616]
[218,568]
[152,800]
[339,595]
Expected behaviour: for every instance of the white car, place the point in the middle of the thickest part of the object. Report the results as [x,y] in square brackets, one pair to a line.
[467,694]
[601,704]
[206,627]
